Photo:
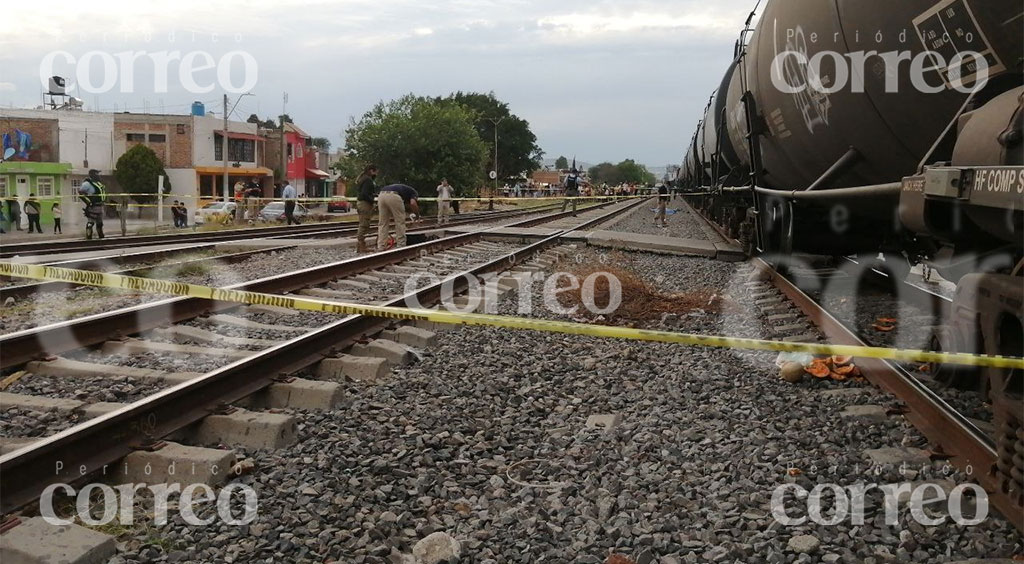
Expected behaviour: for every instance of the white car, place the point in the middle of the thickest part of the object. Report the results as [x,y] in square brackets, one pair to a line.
[274,211]
[223,208]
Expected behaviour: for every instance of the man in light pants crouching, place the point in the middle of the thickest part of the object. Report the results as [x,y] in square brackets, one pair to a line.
[392,202]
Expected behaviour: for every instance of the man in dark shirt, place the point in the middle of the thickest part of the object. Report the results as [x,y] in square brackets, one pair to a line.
[393,200]
[364,205]
[33,211]
[175,214]
[572,190]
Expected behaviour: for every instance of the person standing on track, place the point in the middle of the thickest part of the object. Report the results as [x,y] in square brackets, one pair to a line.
[365,194]
[392,202]
[662,203]
[288,194]
[33,211]
[572,189]
[444,197]
[92,194]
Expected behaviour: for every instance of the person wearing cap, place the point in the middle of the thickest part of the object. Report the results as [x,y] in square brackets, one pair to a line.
[91,193]
[572,190]
[392,201]
[33,210]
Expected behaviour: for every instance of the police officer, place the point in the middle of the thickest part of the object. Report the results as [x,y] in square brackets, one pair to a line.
[92,193]
[572,190]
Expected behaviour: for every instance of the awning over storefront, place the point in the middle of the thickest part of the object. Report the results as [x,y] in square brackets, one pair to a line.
[27,167]
[235,171]
[317,173]
[240,135]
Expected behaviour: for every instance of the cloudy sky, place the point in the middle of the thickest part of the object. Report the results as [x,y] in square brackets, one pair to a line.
[603,80]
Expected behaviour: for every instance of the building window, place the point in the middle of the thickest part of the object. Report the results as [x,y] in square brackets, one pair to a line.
[75,185]
[3,187]
[135,137]
[207,186]
[181,129]
[44,186]
[157,138]
[239,150]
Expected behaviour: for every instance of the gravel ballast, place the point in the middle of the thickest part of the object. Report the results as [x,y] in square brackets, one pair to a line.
[682,224]
[487,440]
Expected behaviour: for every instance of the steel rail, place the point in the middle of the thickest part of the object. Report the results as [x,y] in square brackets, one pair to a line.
[23,346]
[245,233]
[100,442]
[969,448]
[24,290]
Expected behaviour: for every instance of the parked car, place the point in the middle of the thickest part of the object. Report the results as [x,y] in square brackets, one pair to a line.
[274,211]
[338,206]
[204,213]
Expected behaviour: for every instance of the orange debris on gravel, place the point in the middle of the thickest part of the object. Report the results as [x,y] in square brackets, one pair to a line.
[818,368]
[838,368]
[618,559]
[640,301]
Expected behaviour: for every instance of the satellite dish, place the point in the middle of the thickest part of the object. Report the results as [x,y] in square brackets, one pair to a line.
[8,153]
[493,175]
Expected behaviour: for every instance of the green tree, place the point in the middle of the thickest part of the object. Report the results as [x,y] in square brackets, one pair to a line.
[348,168]
[634,172]
[605,173]
[518,152]
[418,141]
[320,143]
[137,171]
[628,171]
[561,163]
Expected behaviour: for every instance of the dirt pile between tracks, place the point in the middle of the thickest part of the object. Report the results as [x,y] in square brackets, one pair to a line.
[641,303]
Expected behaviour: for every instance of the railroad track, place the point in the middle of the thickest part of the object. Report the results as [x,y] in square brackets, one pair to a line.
[198,240]
[144,260]
[329,229]
[187,326]
[997,453]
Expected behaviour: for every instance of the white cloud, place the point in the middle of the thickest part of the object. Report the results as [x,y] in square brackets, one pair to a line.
[634,22]
[521,49]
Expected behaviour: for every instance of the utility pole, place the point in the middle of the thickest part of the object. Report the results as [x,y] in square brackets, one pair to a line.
[224,142]
[284,143]
[224,150]
[496,121]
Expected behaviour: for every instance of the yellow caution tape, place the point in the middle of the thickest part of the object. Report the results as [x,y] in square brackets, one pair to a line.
[152,286]
[173,197]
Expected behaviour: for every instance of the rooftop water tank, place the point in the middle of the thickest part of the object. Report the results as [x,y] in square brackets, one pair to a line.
[198,109]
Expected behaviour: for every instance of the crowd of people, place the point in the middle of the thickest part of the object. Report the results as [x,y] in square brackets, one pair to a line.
[394,204]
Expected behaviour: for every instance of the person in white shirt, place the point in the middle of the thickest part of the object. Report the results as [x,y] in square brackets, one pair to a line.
[288,194]
[444,197]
